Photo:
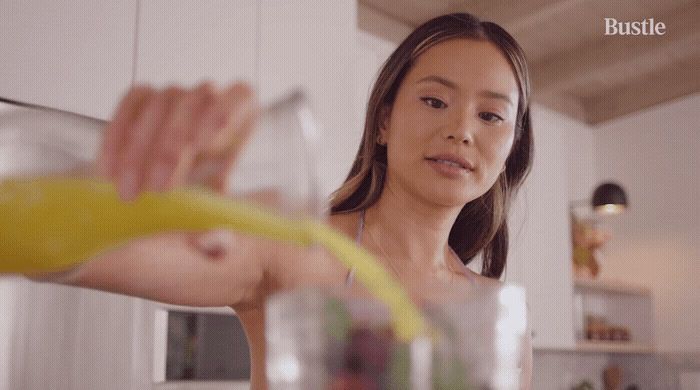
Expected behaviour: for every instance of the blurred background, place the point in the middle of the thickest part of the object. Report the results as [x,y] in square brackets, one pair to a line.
[607,108]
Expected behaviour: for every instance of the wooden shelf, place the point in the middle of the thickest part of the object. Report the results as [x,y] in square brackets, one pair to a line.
[614,347]
[612,286]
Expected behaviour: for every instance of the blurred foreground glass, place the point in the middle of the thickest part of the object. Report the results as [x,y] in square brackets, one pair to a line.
[281,160]
[317,340]
[277,169]
[489,331]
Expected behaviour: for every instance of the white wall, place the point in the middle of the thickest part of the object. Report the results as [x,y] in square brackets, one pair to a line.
[540,238]
[654,155]
[7,306]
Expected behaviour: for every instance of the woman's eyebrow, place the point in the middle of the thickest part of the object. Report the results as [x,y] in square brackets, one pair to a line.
[496,95]
[440,80]
[452,85]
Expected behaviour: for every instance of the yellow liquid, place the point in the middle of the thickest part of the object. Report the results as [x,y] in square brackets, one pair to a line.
[50,224]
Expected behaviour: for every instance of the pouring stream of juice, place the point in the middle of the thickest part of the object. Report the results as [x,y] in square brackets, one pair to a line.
[50,224]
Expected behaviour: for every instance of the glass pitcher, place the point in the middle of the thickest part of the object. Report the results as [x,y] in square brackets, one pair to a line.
[54,211]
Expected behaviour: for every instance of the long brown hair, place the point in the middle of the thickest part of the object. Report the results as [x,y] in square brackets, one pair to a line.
[481,225]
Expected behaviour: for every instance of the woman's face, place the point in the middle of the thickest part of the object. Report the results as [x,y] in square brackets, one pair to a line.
[453,122]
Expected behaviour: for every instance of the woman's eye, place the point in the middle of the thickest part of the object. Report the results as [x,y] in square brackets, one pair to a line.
[490,117]
[434,102]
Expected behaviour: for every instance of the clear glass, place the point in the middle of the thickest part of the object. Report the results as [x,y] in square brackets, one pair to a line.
[321,340]
[277,169]
[281,160]
[317,339]
[488,330]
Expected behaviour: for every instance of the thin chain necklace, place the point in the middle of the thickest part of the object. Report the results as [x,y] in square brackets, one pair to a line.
[384,254]
[391,263]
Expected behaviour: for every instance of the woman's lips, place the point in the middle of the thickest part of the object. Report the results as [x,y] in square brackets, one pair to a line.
[452,157]
[447,168]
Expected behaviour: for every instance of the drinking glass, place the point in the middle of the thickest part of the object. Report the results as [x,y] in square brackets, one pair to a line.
[276,171]
[321,339]
[325,340]
[487,331]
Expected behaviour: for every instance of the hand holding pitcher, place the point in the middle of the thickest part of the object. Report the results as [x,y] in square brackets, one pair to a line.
[159,139]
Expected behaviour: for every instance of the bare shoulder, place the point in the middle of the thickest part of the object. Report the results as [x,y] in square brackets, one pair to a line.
[346,223]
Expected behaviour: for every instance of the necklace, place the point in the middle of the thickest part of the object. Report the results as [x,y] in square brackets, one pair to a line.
[384,254]
[388,260]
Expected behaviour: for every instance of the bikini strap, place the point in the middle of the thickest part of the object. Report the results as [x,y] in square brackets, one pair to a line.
[358,240]
[462,267]
[360,228]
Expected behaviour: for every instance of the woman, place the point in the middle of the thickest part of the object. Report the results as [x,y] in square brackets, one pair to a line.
[447,142]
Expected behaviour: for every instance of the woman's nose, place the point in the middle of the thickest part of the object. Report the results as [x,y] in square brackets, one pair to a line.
[461,130]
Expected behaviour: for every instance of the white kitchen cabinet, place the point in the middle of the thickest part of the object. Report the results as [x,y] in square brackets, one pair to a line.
[310,44]
[186,42]
[59,337]
[75,55]
[69,338]
[80,56]
[277,46]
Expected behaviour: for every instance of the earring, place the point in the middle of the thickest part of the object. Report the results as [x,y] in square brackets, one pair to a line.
[380,140]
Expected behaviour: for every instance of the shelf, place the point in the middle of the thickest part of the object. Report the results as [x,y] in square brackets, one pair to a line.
[202,385]
[614,347]
[612,286]
[189,309]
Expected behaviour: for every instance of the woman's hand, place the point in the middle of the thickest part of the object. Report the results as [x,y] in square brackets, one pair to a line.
[159,139]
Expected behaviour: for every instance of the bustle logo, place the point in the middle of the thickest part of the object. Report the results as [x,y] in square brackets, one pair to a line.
[641,27]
